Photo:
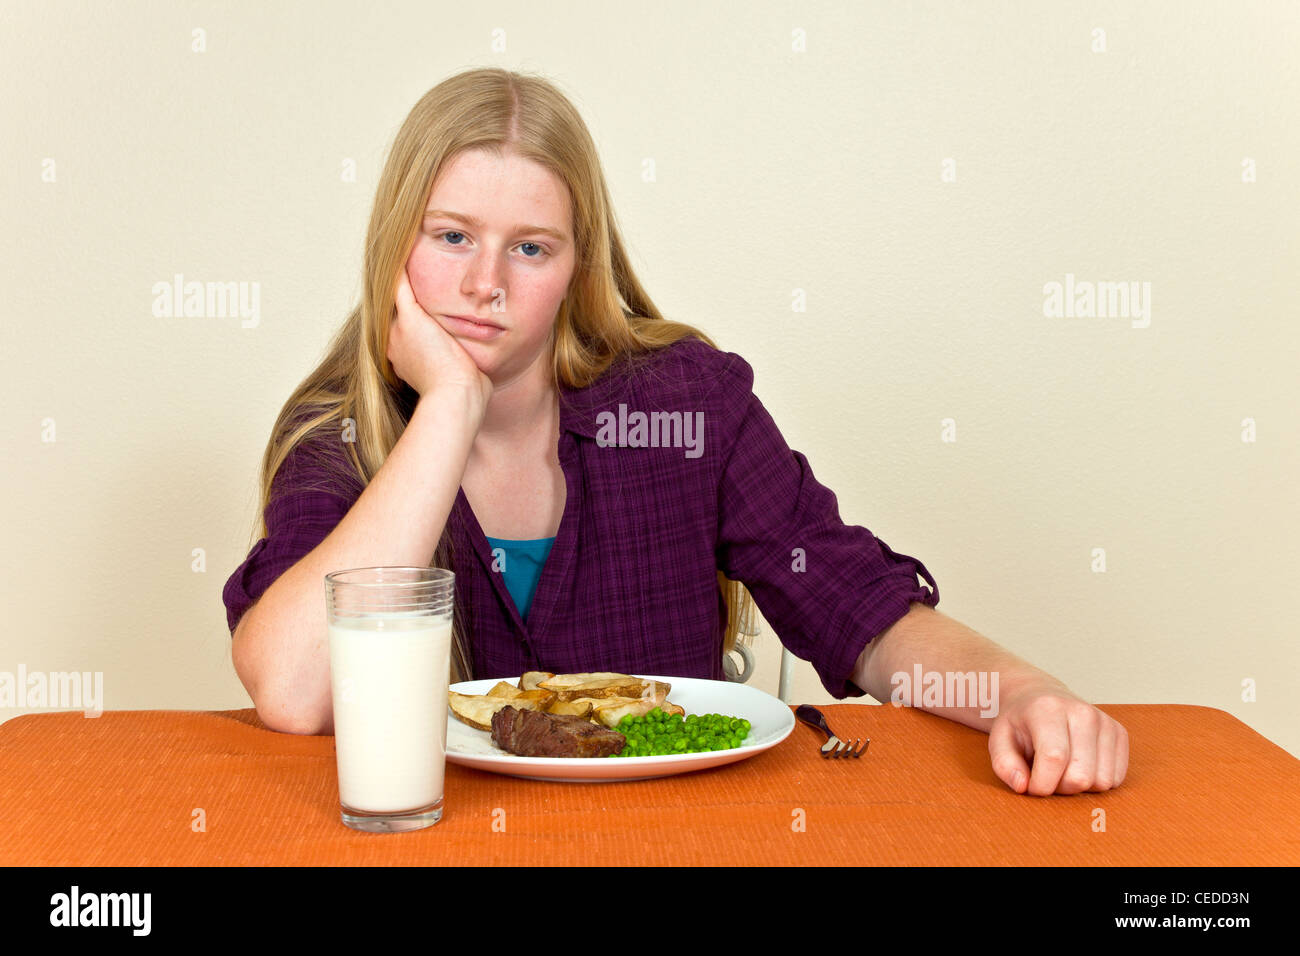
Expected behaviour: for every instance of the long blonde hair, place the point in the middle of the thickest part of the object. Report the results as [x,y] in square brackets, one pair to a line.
[605,314]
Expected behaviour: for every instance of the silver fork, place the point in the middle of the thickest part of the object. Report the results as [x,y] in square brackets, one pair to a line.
[834,747]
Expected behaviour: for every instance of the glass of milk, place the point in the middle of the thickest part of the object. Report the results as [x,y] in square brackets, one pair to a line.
[390,665]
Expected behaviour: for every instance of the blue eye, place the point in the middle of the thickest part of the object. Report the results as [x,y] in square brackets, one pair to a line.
[541,252]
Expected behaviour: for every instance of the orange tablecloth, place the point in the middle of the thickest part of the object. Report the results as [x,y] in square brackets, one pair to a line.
[126,788]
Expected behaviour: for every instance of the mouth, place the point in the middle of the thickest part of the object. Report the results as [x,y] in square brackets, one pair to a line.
[467,327]
[472,320]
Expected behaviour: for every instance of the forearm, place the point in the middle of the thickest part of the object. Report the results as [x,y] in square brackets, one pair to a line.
[280,647]
[937,643]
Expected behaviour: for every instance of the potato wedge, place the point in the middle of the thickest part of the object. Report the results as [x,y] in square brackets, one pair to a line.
[531,679]
[475,710]
[533,699]
[657,689]
[576,708]
[569,680]
[584,702]
[611,710]
[577,686]
[504,690]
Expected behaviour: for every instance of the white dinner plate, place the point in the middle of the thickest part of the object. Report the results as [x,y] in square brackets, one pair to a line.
[770,722]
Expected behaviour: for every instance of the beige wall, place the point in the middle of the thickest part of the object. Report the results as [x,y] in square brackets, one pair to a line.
[794,147]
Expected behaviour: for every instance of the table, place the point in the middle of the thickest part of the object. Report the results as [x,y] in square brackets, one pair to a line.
[195,788]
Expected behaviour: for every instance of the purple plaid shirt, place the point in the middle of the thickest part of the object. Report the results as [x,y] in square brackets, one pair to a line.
[656,504]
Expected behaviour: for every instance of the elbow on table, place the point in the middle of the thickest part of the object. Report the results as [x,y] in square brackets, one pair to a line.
[281,713]
[293,715]
[286,718]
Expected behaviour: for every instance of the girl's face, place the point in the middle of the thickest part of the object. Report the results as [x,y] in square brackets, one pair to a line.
[496,243]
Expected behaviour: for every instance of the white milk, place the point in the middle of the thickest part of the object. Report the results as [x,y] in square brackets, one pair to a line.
[389,675]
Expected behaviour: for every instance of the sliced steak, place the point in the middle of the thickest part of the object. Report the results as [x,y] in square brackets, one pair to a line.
[530,733]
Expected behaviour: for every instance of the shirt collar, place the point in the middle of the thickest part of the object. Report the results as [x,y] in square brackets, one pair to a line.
[579,407]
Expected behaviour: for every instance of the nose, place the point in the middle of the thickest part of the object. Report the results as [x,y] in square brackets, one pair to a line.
[485,277]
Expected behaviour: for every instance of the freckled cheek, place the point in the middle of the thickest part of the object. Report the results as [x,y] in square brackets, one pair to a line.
[427,277]
[541,295]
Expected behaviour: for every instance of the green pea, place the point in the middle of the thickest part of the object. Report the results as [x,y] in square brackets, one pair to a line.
[657,733]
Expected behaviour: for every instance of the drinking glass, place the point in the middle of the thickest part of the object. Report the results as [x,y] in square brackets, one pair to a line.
[390,666]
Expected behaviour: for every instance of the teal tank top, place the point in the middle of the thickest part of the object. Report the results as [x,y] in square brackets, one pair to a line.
[523,567]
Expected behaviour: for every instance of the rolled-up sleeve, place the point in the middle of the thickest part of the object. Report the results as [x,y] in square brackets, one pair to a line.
[299,516]
[826,588]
